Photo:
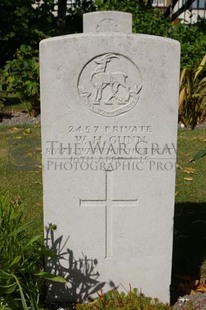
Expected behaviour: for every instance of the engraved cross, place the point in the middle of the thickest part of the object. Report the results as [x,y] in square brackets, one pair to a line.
[108,203]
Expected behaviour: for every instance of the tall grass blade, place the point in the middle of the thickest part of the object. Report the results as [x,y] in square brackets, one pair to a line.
[23,300]
[200,67]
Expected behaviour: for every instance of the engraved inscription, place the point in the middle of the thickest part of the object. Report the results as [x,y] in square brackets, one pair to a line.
[105,148]
[59,73]
[107,25]
[107,91]
[108,203]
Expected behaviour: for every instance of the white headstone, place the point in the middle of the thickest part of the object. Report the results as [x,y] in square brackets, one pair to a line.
[109,131]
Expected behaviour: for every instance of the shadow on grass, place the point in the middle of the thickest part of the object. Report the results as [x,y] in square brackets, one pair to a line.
[81,274]
[189,247]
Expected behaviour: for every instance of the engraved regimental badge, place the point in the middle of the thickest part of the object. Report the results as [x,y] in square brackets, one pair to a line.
[110,84]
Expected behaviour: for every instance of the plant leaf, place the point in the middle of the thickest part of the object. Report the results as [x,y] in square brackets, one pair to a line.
[200,68]
[199,155]
[51,277]
[33,240]
[16,260]
[10,288]
[23,300]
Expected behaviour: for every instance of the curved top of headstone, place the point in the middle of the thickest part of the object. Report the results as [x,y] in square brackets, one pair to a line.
[107,21]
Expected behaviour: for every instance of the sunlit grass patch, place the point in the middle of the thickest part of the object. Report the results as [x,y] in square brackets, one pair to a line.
[20,169]
[191,176]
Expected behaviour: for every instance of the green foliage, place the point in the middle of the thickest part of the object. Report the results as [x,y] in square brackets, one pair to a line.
[146,19]
[192,100]
[22,22]
[113,300]
[29,21]
[193,42]
[73,20]
[21,76]
[149,20]
[21,256]
[21,261]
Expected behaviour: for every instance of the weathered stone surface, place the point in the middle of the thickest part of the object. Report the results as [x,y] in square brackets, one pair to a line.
[107,21]
[109,130]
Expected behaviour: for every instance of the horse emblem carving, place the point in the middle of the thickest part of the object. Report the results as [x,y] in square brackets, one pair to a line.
[111,92]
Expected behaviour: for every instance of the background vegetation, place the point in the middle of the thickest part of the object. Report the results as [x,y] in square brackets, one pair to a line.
[24,23]
[29,21]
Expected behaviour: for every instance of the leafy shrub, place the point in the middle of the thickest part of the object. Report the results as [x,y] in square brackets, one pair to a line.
[22,274]
[113,300]
[192,100]
[193,42]
[149,20]
[21,76]
[146,19]
[22,22]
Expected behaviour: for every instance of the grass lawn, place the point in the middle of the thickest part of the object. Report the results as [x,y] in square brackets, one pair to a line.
[191,176]
[21,147]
